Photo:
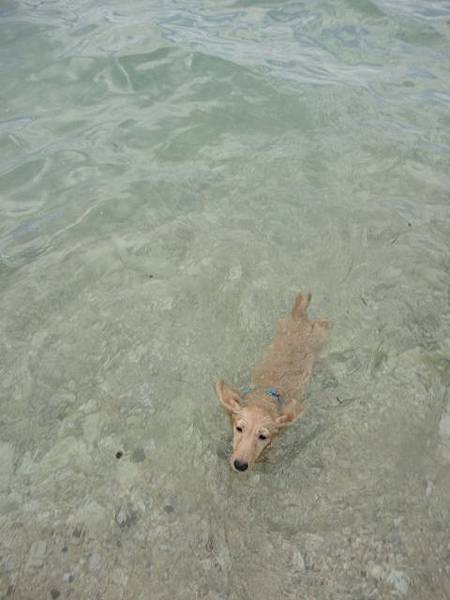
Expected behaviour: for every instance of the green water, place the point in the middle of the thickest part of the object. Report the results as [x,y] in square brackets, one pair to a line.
[171,174]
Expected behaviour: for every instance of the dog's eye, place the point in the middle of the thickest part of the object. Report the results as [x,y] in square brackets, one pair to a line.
[262,436]
[239,429]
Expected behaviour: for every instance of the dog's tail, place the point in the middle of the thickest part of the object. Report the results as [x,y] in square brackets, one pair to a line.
[300,306]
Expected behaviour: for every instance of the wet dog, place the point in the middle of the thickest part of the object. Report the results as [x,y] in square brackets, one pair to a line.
[279,381]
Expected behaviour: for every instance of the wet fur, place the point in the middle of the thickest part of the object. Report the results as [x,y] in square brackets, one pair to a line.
[286,366]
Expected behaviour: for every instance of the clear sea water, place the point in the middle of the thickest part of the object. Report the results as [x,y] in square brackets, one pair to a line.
[171,174]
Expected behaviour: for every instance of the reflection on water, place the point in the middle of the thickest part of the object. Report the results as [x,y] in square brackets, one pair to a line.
[170,176]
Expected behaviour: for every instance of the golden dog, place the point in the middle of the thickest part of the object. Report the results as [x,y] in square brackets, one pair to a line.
[279,381]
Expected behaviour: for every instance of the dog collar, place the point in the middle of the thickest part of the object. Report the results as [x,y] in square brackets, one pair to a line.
[272,392]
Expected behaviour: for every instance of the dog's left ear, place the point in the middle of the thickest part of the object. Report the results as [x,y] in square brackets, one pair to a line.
[229,398]
[293,411]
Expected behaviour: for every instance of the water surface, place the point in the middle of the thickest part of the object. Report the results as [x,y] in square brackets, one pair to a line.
[171,174]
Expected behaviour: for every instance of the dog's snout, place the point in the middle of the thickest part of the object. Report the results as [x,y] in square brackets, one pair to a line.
[240,465]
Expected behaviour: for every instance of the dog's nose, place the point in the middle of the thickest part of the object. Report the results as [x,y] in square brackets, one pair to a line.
[240,466]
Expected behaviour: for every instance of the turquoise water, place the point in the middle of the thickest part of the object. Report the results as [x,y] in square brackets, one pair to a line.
[171,174]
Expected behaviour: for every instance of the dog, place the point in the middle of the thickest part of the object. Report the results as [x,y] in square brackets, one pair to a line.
[279,382]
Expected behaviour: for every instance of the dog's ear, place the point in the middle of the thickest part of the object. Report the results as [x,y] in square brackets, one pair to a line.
[292,411]
[229,397]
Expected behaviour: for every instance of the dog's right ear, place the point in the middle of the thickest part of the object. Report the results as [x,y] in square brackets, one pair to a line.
[229,398]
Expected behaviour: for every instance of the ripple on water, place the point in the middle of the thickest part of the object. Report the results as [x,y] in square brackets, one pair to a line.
[170,176]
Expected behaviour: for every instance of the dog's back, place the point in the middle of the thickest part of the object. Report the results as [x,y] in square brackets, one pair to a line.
[288,361]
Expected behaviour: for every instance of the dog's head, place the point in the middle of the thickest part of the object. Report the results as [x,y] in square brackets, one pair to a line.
[256,422]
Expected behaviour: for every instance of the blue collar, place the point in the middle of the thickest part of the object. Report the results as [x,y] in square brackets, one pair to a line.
[272,392]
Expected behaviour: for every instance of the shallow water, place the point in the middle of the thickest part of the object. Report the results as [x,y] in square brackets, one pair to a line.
[171,174]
